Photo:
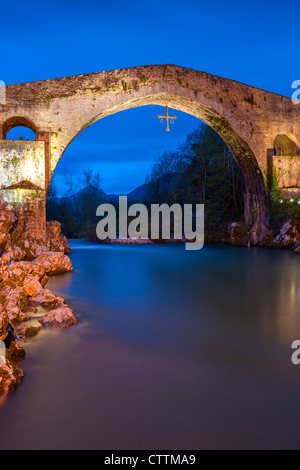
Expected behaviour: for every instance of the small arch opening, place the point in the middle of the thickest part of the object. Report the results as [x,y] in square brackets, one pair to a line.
[21,133]
[285,144]
[19,128]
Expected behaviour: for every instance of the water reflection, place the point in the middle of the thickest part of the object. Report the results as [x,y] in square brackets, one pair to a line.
[175,349]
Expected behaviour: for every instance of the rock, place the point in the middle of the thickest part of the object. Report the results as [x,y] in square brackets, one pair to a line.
[10,374]
[56,241]
[288,236]
[46,299]
[31,248]
[55,263]
[53,230]
[239,234]
[16,274]
[10,377]
[3,323]
[22,283]
[14,302]
[62,317]
[296,249]
[258,233]
[16,351]
[32,288]
[26,331]
[7,219]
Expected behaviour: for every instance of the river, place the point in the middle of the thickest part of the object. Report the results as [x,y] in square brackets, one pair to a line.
[175,350]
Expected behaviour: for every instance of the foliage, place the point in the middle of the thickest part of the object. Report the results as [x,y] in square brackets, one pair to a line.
[77,210]
[202,171]
[250,100]
[283,210]
[280,210]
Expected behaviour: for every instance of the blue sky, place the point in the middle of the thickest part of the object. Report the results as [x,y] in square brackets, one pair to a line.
[253,42]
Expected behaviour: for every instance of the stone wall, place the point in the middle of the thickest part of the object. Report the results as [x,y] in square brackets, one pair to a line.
[22,160]
[248,119]
[287,171]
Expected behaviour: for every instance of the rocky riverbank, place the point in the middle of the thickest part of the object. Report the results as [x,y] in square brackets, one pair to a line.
[27,263]
[25,266]
[286,237]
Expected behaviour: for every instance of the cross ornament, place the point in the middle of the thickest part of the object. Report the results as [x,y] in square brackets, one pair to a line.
[167,118]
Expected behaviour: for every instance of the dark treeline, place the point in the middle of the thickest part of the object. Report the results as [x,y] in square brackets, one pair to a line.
[201,171]
[77,210]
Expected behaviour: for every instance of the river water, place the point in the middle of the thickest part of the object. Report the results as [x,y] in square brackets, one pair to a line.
[175,350]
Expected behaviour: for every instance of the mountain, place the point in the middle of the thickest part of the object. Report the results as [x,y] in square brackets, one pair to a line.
[137,194]
[169,180]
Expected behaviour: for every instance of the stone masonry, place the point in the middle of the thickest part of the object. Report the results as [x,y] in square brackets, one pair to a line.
[248,119]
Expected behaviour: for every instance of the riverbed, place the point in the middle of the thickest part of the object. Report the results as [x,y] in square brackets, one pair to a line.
[175,350]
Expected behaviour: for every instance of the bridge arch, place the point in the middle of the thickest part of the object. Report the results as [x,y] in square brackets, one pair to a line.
[247,118]
[286,144]
[17,121]
[255,196]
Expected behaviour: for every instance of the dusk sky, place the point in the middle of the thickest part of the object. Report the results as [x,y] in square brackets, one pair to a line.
[252,42]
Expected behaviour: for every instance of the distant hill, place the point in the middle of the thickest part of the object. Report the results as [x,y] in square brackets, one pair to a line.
[137,195]
[70,199]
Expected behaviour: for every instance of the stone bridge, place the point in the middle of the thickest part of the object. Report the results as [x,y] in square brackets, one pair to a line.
[261,129]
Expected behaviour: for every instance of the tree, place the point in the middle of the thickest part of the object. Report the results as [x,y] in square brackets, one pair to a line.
[203,170]
[77,210]
[90,196]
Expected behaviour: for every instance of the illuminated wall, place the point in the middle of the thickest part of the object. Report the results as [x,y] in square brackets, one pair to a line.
[22,161]
[287,171]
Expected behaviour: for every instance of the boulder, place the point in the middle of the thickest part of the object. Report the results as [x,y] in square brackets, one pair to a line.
[14,302]
[26,331]
[55,263]
[55,241]
[10,377]
[3,323]
[288,236]
[62,317]
[16,274]
[21,283]
[296,249]
[16,351]
[239,234]
[30,247]
[259,231]
[46,299]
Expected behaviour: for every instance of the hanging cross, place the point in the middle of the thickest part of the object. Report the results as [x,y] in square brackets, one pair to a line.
[167,118]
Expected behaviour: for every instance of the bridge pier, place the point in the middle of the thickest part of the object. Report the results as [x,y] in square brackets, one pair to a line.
[30,208]
[23,184]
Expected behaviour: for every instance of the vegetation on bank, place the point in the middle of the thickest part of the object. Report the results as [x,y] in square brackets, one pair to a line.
[280,210]
[201,171]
